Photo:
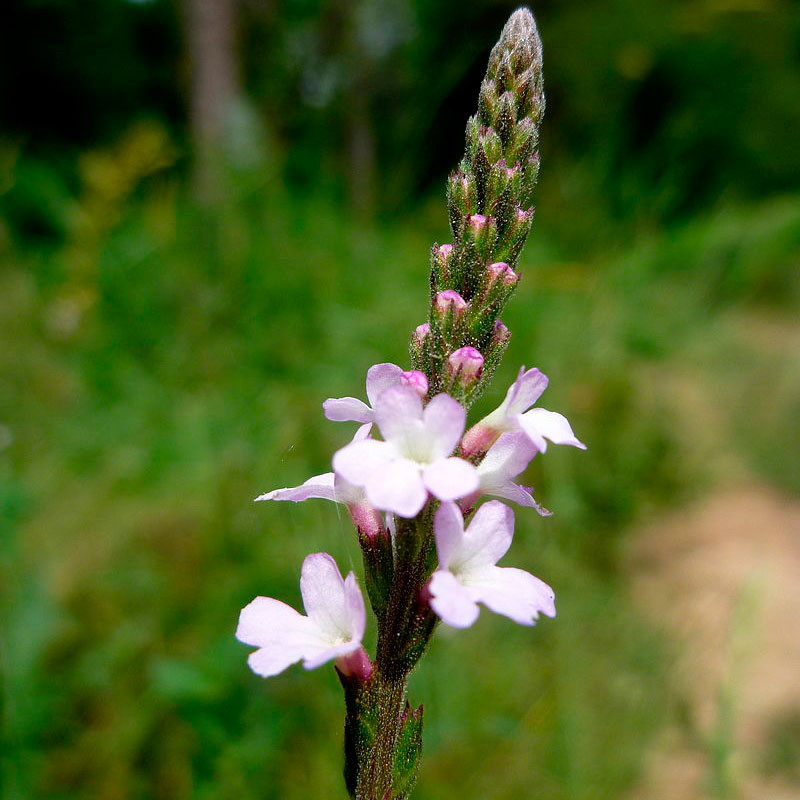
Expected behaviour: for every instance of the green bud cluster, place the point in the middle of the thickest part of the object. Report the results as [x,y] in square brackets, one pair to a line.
[489,207]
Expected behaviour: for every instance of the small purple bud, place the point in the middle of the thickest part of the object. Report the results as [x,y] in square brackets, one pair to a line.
[466,364]
[524,217]
[500,271]
[449,300]
[420,332]
[441,264]
[416,380]
[477,222]
[501,333]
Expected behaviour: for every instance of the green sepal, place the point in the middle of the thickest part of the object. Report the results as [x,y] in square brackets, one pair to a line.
[378,569]
[360,726]
[407,753]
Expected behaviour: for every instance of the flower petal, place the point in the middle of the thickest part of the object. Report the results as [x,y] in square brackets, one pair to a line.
[282,634]
[363,432]
[448,528]
[486,539]
[325,600]
[356,609]
[347,409]
[397,487]
[381,377]
[451,601]
[398,413]
[514,593]
[450,478]
[320,486]
[506,458]
[266,620]
[319,656]
[521,495]
[357,462]
[541,424]
[444,419]
[525,390]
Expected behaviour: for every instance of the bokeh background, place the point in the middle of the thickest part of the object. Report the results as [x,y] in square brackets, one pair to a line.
[215,214]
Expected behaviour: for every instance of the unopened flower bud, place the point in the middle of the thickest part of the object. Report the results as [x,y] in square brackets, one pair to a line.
[416,380]
[523,142]
[501,334]
[482,231]
[421,331]
[449,301]
[465,365]
[441,256]
[487,102]
[500,271]
[462,197]
[515,235]
[490,143]
[506,116]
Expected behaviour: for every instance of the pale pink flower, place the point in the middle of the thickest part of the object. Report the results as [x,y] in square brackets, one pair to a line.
[506,458]
[415,458]
[329,486]
[333,628]
[379,378]
[512,415]
[468,575]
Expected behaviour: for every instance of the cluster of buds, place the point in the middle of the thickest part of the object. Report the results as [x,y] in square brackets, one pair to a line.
[414,479]
[488,200]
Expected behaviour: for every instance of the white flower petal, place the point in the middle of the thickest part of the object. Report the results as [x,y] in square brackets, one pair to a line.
[444,419]
[525,391]
[398,414]
[347,409]
[356,609]
[514,593]
[266,620]
[381,377]
[486,539]
[357,462]
[520,495]
[451,601]
[450,478]
[282,634]
[346,493]
[506,458]
[448,528]
[363,432]
[320,486]
[397,486]
[325,600]
[269,661]
[319,656]
[541,424]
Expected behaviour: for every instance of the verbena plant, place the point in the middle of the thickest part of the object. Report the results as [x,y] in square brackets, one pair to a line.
[430,546]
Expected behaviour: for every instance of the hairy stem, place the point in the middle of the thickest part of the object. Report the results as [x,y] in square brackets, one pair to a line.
[376,773]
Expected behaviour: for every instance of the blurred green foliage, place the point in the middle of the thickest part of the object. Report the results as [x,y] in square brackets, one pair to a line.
[164,363]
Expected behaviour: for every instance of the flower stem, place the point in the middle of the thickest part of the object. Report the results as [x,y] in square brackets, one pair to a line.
[383,734]
[377,770]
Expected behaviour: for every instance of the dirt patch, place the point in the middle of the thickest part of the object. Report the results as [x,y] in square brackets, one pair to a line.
[724,580]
